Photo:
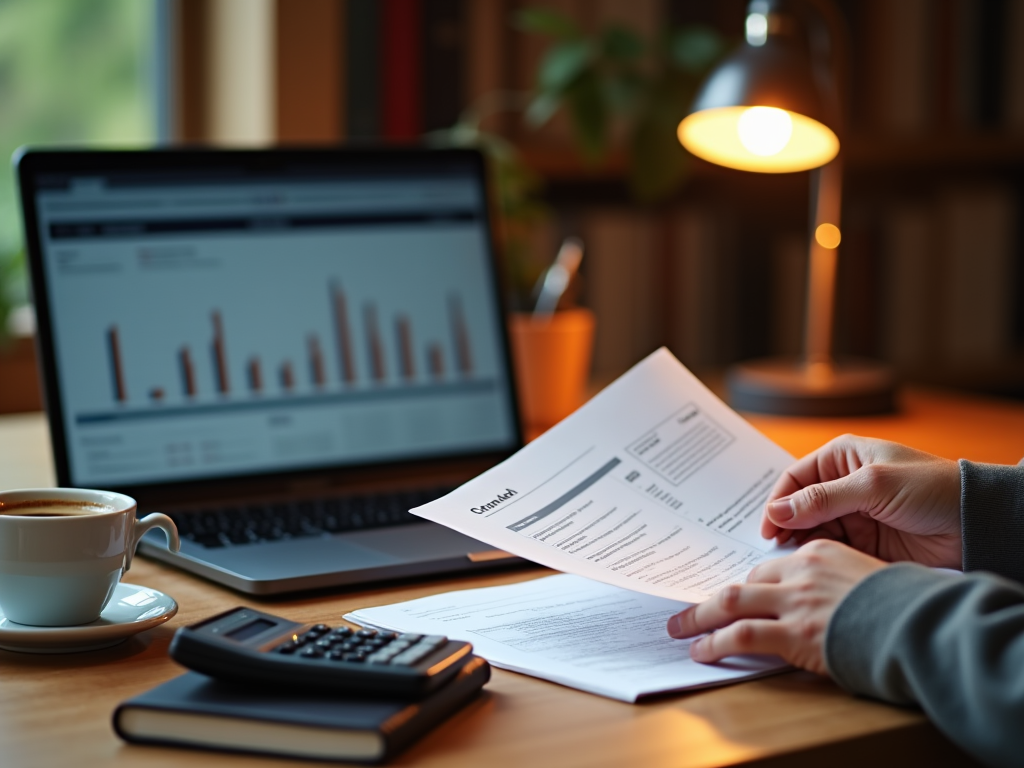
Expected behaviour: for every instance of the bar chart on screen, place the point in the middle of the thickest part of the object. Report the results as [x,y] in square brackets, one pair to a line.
[399,360]
[278,346]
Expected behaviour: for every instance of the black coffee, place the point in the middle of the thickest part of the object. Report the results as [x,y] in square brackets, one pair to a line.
[53,508]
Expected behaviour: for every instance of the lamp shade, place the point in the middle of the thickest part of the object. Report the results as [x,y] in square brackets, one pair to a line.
[760,110]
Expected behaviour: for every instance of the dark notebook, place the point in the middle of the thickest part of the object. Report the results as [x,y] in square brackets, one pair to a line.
[196,711]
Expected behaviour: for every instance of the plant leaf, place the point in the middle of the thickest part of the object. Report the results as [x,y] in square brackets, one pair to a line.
[622,44]
[563,63]
[542,108]
[546,21]
[589,115]
[659,164]
[694,49]
[623,90]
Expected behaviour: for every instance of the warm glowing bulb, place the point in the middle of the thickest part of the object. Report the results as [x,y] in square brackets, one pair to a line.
[720,135]
[828,236]
[765,131]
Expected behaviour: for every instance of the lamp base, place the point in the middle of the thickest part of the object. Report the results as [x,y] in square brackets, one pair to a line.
[850,387]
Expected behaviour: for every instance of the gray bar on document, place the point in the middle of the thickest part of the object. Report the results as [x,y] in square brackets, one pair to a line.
[565,498]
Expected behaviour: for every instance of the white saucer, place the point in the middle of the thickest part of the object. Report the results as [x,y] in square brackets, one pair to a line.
[131,610]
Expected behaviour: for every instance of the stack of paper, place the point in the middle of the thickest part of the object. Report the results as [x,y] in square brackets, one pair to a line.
[570,630]
[655,488]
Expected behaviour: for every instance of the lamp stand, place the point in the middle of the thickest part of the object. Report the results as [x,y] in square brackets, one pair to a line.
[816,385]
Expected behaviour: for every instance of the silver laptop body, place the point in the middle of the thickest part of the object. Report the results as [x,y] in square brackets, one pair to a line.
[284,350]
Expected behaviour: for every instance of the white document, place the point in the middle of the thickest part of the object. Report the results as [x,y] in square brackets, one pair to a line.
[655,485]
[572,631]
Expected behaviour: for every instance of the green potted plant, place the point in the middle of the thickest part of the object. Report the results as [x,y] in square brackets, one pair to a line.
[612,76]
[615,75]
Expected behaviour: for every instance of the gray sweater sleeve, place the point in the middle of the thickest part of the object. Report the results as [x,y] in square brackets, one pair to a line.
[952,644]
[992,518]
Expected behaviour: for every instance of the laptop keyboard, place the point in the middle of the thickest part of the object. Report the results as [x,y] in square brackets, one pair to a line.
[239,524]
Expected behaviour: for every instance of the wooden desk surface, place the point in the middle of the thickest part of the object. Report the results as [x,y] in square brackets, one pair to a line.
[56,710]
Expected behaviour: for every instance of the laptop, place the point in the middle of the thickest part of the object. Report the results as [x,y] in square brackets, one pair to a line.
[284,351]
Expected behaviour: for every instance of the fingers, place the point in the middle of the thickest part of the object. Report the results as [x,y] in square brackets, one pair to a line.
[826,463]
[820,503]
[825,533]
[830,462]
[761,636]
[770,530]
[771,571]
[734,602]
[783,536]
[786,485]
[784,608]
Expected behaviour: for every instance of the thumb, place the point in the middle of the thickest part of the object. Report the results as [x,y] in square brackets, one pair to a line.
[817,503]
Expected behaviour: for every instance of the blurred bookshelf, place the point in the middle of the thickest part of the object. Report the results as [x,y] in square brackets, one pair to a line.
[932,261]
[938,154]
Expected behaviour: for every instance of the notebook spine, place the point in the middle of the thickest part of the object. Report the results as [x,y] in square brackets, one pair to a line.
[401,731]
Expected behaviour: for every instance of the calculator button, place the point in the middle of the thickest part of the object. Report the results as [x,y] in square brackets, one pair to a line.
[341,632]
[410,638]
[388,635]
[323,643]
[352,657]
[376,642]
[336,655]
[366,633]
[398,645]
[433,641]
[412,655]
[320,628]
[378,658]
[287,648]
[404,659]
[312,652]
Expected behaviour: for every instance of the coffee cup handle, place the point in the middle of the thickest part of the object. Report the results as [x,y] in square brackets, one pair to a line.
[154,520]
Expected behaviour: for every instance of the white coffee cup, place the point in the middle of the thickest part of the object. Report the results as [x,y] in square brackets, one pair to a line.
[60,562]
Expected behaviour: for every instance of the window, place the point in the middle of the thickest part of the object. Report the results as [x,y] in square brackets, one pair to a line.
[80,72]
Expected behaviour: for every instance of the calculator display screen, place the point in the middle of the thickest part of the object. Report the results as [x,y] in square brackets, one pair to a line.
[251,629]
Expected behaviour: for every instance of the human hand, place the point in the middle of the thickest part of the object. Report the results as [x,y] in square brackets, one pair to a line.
[783,609]
[885,499]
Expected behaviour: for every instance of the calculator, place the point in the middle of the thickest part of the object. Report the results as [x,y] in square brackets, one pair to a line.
[244,645]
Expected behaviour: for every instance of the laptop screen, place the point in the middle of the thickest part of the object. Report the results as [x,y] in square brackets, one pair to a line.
[223,322]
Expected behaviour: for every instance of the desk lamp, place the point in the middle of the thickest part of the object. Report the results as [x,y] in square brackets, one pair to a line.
[774,106]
